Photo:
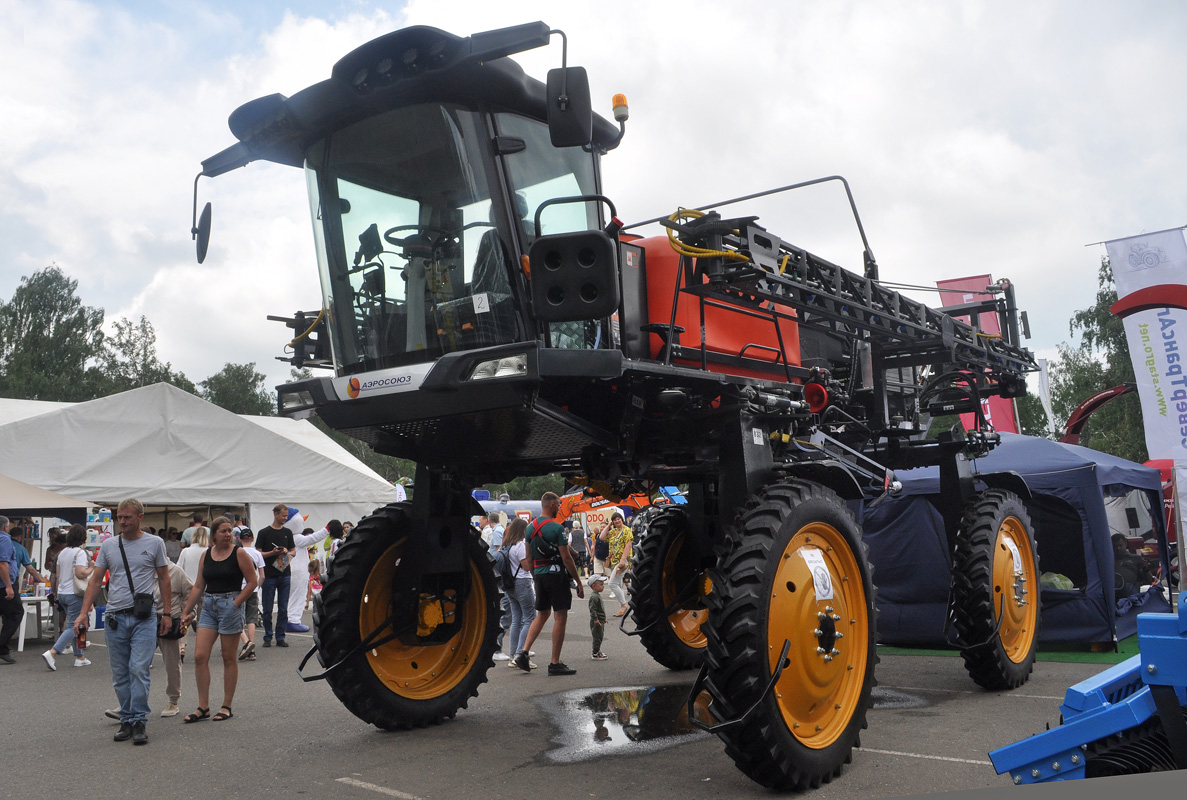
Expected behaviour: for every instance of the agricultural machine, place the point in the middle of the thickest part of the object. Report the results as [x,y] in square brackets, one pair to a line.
[478,288]
[1130,719]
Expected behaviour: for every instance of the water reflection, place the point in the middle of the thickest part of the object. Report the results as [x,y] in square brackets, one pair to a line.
[621,720]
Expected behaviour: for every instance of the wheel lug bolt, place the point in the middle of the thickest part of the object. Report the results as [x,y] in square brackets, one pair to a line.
[817,632]
[820,650]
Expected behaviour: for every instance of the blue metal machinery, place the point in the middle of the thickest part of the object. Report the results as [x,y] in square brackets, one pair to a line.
[1127,720]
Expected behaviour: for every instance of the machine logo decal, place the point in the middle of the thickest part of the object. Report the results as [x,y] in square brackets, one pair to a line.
[352,388]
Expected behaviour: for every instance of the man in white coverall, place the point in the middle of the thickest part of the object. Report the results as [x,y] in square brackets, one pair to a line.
[299,582]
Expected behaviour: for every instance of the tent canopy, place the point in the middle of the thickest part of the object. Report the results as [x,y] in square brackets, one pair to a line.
[166,447]
[18,499]
[1075,491]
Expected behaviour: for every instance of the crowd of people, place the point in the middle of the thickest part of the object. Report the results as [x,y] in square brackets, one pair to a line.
[223,581]
[539,565]
[156,594]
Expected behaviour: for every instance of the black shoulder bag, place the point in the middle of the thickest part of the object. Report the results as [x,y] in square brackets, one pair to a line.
[142,603]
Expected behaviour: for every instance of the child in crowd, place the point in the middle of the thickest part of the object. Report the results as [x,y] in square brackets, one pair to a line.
[314,581]
[597,614]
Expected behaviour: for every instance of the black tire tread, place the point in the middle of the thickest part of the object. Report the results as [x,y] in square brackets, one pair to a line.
[973,614]
[336,630]
[646,594]
[736,656]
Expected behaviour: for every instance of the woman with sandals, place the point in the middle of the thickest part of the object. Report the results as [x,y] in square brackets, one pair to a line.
[226,578]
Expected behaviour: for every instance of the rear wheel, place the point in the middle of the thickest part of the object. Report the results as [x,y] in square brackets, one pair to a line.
[794,569]
[995,590]
[661,573]
[448,632]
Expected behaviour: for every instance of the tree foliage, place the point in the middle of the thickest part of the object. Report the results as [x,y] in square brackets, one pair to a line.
[49,341]
[240,389]
[1100,361]
[129,359]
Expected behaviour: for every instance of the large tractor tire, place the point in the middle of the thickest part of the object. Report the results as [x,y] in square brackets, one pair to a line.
[659,575]
[995,590]
[793,570]
[403,683]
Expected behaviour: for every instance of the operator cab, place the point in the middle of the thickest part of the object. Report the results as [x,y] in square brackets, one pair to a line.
[421,215]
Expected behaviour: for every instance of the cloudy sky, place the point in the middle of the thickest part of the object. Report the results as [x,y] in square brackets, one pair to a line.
[997,137]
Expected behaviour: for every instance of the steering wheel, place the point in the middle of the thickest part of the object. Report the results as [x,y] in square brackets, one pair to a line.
[442,238]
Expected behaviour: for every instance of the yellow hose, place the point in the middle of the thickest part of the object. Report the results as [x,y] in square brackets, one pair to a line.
[308,330]
[697,252]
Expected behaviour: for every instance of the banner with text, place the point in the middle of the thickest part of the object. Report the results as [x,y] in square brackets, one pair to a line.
[1150,271]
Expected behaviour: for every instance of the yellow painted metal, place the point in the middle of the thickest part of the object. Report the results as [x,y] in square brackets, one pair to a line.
[686,623]
[1014,600]
[818,691]
[422,672]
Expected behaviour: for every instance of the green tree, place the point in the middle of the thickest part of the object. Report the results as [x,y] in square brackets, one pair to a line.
[528,488]
[1099,361]
[49,341]
[130,359]
[240,389]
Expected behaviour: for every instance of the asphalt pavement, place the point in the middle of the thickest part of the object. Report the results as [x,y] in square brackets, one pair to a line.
[524,736]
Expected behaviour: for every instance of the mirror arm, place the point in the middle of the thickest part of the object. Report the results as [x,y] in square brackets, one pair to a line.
[194,218]
[563,99]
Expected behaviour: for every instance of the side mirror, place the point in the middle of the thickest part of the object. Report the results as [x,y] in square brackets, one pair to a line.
[570,110]
[201,232]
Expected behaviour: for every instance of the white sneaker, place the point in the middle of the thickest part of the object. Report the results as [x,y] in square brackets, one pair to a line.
[501,656]
[82,662]
[48,655]
[170,710]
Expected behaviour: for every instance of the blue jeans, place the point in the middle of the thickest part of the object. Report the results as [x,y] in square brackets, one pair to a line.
[130,646]
[523,611]
[73,604]
[276,589]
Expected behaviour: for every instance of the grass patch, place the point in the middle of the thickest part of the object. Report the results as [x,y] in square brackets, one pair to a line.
[1070,653]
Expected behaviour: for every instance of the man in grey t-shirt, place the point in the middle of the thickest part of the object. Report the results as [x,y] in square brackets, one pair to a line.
[130,639]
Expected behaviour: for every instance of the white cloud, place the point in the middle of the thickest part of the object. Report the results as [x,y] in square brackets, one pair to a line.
[978,137]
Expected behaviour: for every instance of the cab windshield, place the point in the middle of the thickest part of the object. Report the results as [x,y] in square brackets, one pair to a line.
[415,241]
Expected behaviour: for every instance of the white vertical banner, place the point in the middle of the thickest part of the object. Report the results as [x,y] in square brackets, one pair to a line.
[1045,397]
[1150,271]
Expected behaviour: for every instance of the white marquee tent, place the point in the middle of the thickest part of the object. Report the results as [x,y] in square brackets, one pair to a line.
[169,448]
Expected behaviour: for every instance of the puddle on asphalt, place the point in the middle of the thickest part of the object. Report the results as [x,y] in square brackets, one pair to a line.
[626,720]
[621,720]
[884,698]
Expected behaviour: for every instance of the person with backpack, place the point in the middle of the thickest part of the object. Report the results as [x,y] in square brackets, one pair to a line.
[513,567]
[552,569]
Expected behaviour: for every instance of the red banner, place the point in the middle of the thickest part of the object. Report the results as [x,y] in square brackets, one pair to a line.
[998,411]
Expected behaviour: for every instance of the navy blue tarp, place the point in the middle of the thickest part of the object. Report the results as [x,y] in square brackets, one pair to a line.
[911,556]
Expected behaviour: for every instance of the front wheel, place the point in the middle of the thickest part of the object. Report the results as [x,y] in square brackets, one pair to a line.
[995,590]
[793,570]
[447,628]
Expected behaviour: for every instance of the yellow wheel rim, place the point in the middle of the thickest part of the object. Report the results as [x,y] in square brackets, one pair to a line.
[421,673]
[686,623]
[825,669]
[1014,585]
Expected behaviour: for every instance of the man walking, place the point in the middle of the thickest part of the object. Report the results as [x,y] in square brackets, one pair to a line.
[137,566]
[276,545]
[11,608]
[552,566]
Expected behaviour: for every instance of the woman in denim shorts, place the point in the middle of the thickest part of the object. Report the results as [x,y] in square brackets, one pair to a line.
[226,578]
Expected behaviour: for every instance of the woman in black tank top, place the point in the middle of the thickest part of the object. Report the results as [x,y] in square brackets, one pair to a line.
[226,578]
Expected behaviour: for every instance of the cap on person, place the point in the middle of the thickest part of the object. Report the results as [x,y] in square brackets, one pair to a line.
[594,579]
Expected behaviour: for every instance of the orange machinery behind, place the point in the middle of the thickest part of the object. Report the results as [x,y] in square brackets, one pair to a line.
[730,335]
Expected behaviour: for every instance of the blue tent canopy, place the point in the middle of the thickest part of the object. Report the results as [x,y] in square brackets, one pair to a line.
[910,550]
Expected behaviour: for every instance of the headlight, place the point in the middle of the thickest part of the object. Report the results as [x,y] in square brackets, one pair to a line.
[501,367]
